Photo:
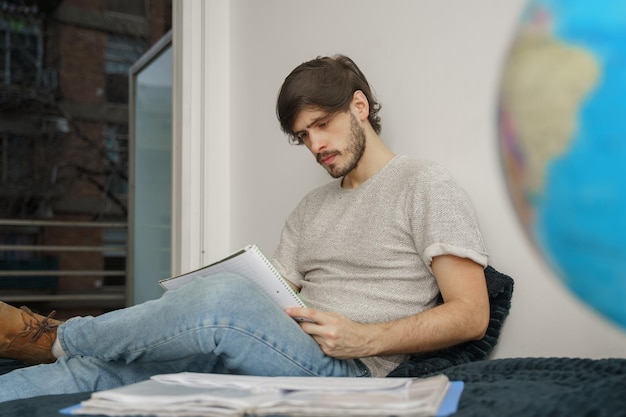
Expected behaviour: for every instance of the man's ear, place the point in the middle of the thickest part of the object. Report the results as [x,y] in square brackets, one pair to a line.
[360,105]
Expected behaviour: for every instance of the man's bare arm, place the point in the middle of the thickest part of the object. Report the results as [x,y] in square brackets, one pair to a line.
[463,316]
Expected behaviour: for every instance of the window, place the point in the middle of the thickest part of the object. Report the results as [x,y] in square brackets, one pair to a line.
[151,195]
[120,54]
[20,53]
[24,177]
[16,158]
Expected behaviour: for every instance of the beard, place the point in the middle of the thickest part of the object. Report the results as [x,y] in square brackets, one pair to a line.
[354,151]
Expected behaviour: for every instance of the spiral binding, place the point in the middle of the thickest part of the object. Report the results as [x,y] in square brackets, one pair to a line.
[272,268]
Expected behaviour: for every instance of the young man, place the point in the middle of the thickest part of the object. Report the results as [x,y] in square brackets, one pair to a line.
[370,252]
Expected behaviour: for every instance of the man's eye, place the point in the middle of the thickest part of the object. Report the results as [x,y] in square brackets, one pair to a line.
[301,136]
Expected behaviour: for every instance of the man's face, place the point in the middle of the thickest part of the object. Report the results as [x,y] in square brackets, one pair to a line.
[337,140]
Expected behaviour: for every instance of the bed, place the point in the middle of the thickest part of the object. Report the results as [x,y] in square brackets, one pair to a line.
[524,387]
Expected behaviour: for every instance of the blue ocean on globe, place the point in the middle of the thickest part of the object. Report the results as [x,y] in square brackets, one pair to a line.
[582,218]
[580,214]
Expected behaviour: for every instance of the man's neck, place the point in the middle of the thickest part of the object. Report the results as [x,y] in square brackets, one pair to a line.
[375,157]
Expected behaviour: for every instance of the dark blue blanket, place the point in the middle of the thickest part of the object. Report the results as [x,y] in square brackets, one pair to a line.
[524,387]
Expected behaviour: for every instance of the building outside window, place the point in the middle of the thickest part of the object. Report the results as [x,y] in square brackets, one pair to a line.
[64,115]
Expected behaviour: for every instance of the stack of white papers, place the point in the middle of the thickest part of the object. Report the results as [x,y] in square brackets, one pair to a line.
[200,395]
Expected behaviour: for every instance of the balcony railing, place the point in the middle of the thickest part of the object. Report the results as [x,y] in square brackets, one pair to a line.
[111,296]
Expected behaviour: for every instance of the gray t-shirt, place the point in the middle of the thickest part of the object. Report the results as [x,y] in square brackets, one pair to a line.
[366,252]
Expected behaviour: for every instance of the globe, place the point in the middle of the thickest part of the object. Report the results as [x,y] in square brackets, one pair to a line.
[562,140]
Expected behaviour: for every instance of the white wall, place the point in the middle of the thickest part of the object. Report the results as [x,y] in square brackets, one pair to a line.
[435,66]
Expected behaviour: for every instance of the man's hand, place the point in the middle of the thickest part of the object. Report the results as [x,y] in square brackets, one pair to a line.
[336,335]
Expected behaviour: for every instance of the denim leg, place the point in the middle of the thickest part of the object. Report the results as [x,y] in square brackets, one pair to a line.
[219,324]
[76,374]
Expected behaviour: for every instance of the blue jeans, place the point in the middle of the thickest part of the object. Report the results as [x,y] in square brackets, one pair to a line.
[219,324]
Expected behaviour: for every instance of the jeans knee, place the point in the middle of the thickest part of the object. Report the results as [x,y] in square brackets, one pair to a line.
[223,288]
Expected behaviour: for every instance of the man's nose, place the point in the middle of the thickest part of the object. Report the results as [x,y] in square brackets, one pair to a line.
[318,142]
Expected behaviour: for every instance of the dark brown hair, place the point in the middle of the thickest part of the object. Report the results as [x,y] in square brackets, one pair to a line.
[325,83]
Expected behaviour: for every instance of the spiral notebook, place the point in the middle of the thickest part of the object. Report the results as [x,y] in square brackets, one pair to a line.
[250,263]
